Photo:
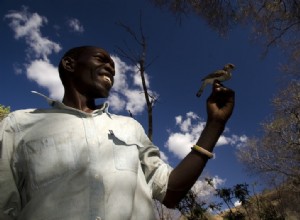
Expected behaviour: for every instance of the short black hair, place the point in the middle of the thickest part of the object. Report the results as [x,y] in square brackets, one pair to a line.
[73,53]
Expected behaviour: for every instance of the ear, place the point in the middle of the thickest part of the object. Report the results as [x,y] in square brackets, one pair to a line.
[68,64]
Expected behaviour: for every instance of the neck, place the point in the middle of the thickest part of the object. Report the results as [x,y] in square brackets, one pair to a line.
[79,101]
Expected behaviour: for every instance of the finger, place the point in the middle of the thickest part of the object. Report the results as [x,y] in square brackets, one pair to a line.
[221,94]
[218,87]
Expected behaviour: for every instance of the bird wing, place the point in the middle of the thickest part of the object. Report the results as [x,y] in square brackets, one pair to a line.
[215,74]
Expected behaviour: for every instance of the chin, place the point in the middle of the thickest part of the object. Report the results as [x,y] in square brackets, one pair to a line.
[103,94]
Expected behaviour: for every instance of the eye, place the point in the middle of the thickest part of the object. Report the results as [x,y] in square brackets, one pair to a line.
[99,58]
[102,58]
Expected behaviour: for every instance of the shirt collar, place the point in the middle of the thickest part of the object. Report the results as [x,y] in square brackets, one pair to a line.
[57,104]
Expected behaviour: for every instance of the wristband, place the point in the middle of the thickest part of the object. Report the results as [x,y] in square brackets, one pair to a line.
[202,151]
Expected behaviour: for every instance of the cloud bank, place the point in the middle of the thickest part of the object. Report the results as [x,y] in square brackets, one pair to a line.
[38,67]
[188,129]
[27,25]
[127,91]
[204,190]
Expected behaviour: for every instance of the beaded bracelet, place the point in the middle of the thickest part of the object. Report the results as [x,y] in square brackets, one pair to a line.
[202,151]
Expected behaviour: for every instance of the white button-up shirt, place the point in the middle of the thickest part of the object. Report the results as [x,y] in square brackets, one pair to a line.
[62,164]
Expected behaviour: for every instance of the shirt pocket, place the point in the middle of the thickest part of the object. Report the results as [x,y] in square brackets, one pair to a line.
[126,153]
[49,158]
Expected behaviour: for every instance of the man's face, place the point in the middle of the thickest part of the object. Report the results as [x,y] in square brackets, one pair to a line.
[94,73]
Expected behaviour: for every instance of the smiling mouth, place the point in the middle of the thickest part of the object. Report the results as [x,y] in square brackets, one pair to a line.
[107,79]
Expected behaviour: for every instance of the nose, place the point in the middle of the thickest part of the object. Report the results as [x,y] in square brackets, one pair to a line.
[110,67]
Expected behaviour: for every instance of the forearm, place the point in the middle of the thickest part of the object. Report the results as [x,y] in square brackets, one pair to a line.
[183,177]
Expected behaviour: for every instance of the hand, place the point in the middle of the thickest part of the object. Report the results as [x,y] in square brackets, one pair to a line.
[220,103]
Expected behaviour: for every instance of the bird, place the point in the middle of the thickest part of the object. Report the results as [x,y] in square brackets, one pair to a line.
[220,75]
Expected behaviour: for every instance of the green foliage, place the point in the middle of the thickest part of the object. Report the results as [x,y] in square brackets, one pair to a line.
[265,206]
[229,195]
[270,213]
[241,192]
[4,111]
[192,208]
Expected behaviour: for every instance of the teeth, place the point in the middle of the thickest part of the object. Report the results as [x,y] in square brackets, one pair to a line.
[107,79]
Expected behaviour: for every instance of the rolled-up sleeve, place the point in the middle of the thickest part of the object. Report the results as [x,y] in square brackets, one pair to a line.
[9,196]
[156,171]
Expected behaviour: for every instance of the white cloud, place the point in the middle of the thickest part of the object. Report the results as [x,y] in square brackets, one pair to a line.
[203,189]
[121,68]
[127,93]
[180,144]
[178,119]
[237,203]
[116,103]
[46,75]
[137,79]
[38,68]
[232,140]
[186,124]
[163,156]
[75,25]
[27,25]
[189,128]
[23,22]
[17,68]
[135,101]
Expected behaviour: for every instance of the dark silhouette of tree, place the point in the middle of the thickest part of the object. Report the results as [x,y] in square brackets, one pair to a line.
[275,23]
[193,208]
[275,156]
[139,59]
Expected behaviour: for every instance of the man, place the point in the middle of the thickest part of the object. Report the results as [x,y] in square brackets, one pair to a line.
[78,161]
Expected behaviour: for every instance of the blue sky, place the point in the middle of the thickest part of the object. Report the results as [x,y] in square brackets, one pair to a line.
[35,34]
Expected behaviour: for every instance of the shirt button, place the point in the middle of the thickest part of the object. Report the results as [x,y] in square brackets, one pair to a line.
[98,218]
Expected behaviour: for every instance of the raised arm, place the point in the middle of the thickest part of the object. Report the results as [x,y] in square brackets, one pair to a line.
[220,105]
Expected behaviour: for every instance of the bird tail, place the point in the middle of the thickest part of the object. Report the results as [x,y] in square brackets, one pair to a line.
[200,91]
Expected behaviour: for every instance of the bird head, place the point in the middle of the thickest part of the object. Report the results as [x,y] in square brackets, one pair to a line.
[229,66]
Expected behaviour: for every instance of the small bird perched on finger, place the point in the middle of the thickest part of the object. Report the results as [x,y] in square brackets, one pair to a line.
[220,75]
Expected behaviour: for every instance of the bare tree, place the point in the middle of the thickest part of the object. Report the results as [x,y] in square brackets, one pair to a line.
[219,14]
[275,23]
[276,155]
[139,59]
[192,208]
